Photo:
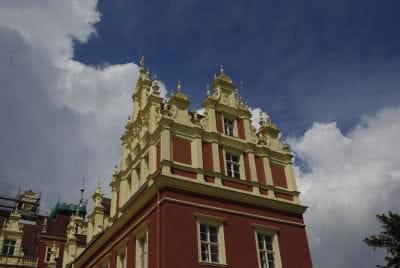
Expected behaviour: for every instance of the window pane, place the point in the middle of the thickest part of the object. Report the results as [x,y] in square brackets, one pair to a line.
[214,238]
[203,237]
[11,251]
[204,252]
[271,264]
[213,230]
[235,159]
[203,228]
[263,260]
[214,249]
[214,257]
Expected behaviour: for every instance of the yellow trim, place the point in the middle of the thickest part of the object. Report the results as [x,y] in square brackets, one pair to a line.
[206,217]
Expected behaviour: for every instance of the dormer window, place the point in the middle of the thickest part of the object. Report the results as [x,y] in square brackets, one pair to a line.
[232,166]
[228,126]
[8,247]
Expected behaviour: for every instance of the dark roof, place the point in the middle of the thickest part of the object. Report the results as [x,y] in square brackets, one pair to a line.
[59,225]
[31,232]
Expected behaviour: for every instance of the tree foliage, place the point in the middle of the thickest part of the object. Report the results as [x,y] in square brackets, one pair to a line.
[388,238]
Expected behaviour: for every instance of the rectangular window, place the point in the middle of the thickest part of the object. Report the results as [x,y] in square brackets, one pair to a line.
[209,243]
[142,252]
[142,249]
[232,165]
[48,253]
[228,127]
[121,260]
[266,250]
[210,239]
[8,247]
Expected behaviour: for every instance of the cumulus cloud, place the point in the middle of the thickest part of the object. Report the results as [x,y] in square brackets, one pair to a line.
[350,178]
[60,119]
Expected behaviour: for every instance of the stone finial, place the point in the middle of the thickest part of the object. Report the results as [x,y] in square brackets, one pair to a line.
[44,226]
[98,196]
[155,87]
[179,87]
[141,62]
[221,69]
[208,90]
[264,118]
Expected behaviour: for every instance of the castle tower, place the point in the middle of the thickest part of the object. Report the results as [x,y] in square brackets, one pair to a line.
[196,190]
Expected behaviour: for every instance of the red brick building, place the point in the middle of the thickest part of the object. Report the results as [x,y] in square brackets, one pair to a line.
[198,190]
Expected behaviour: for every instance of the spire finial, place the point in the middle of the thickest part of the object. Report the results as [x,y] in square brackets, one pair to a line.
[178,87]
[141,62]
[221,69]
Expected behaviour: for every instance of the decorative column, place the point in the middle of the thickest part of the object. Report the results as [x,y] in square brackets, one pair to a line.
[268,175]
[197,156]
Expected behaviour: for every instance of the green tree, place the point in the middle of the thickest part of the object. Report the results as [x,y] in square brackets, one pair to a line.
[389,239]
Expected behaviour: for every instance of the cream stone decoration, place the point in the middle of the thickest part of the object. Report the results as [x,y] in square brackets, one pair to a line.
[96,219]
[12,230]
[72,248]
[52,262]
[150,131]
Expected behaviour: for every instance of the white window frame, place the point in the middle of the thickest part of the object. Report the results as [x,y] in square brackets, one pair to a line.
[47,256]
[9,246]
[142,233]
[122,263]
[229,163]
[229,127]
[273,233]
[219,224]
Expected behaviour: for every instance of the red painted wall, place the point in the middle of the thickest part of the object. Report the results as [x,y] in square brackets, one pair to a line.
[207,157]
[278,175]
[260,170]
[240,124]
[173,234]
[218,118]
[180,244]
[246,166]
[41,254]
[181,150]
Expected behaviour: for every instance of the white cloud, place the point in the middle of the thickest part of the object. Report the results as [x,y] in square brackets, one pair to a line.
[61,119]
[350,179]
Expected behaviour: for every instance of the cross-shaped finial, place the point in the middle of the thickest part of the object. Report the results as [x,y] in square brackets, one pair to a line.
[141,62]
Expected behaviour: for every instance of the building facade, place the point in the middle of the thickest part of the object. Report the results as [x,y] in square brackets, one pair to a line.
[198,190]
[31,239]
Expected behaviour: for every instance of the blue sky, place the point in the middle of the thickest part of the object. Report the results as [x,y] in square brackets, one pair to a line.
[327,71]
[297,59]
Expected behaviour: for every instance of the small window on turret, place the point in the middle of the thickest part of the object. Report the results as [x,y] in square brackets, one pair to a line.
[228,127]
